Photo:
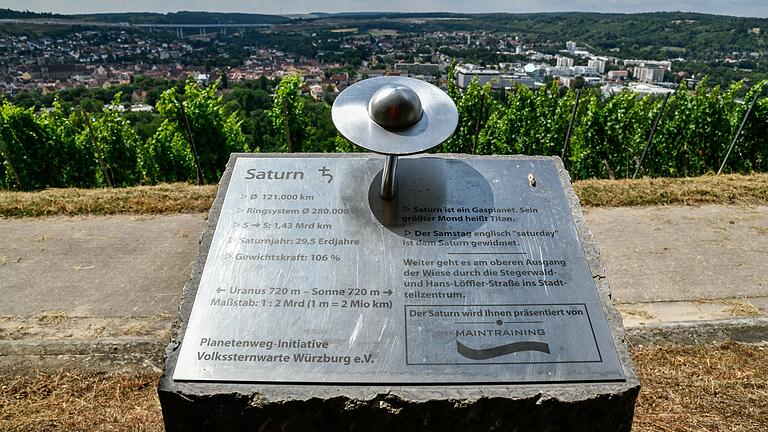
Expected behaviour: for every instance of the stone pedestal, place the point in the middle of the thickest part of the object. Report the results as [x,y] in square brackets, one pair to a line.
[528,405]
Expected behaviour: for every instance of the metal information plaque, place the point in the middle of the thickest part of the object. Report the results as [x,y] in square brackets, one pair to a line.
[473,274]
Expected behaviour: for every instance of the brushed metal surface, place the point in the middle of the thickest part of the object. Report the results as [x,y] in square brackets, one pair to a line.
[437,122]
[389,178]
[470,275]
[395,107]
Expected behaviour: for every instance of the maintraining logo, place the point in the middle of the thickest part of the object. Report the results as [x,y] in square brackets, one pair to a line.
[500,350]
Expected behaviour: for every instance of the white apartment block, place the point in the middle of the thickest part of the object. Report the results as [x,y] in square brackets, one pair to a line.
[584,71]
[598,64]
[564,62]
[665,64]
[648,74]
[570,71]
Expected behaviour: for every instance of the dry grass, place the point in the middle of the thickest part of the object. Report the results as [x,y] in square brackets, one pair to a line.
[51,318]
[186,198]
[70,401]
[164,198]
[760,229]
[724,189]
[636,313]
[715,388]
[736,307]
[709,388]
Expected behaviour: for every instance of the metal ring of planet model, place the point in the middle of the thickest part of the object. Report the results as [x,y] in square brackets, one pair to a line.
[395,115]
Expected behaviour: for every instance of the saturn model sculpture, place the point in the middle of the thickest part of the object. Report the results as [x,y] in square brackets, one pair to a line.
[394,116]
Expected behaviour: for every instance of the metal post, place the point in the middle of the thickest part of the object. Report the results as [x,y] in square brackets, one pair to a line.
[650,136]
[738,132]
[380,114]
[570,125]
[389,178]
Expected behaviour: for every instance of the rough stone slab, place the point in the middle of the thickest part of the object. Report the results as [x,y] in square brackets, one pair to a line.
[266,407]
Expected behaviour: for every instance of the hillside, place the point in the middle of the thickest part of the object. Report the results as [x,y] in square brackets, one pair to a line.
[12,14]
[182,17]
[186,17]
[655,36]
[647,35]
[659,35]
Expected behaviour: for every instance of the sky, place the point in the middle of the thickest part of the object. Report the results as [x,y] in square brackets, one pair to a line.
[756,8]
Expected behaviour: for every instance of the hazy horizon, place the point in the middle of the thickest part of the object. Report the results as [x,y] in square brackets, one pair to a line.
[750,8]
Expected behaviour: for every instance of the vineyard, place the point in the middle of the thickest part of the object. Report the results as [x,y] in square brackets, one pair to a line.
[598,136]
[610,135]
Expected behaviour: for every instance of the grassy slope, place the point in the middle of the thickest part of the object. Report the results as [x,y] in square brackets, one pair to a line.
[185,198]
[726,189]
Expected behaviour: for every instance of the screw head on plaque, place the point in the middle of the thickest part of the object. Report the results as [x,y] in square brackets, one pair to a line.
[394,116]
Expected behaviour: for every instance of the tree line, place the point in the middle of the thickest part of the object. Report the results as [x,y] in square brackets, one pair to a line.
[196,129]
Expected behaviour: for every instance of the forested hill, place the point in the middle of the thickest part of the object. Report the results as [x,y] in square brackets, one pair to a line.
[646,35]
[182,17]
[185,17]
[657,36]
[12,14]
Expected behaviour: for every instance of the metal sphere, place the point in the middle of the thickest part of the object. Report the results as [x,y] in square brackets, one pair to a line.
[395,107]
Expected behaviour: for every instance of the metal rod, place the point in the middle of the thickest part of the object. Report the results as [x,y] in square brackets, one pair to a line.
[389,178]
[650,136]
[570,125]
[738,132]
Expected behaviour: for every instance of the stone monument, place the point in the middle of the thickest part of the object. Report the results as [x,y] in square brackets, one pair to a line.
[360,292]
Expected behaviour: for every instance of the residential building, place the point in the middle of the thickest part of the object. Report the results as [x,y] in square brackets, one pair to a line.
[648,74]
[598,64]
[316,91]
[584,71]
[510,81]
[468,72]
[666,64]
[559,71]
[620,74]
[340,79]
[564,62]
[418,68]
[465,74]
